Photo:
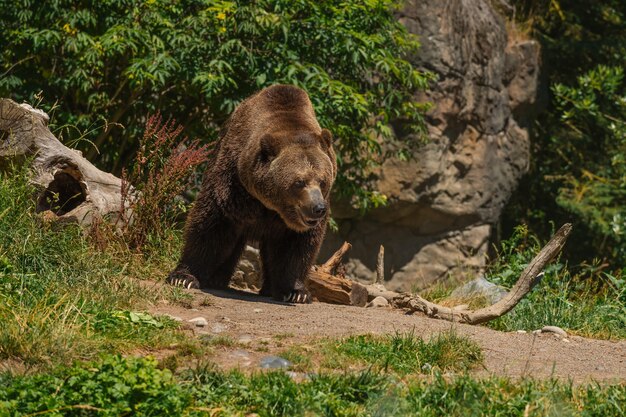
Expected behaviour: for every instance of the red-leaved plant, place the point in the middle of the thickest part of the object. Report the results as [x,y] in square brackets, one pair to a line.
[163,169]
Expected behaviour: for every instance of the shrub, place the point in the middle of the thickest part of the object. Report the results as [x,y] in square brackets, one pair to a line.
[108,64]
[163,167]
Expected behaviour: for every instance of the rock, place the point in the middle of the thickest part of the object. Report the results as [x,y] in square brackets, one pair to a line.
[248,272]
[554,329]
[378,302]
[199,322]
[480,287]
[443,201]
[274,362]
[242,357]
[219,328]
[245,339]
[175,318]
[521,331]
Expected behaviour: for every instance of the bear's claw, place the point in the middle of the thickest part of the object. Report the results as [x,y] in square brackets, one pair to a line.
[298,297]
[187,281]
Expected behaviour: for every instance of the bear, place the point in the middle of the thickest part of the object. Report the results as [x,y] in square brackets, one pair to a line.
[270,184]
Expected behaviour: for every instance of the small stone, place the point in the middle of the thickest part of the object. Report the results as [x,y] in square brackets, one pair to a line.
[480,287]
[565,340]
[175,318]
[274,362]
[245,339]
[242,357]
[522,331]
[555,330]
[298,376]
[378,302]
[199,322]
[536,331]
[218,328]
[257,310]
[427,367]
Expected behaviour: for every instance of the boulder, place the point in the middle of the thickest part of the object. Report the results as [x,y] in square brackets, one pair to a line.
[444,201]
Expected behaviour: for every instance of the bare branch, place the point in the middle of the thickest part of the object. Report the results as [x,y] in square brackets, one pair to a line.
[528,279]
[333,262]
[380,266]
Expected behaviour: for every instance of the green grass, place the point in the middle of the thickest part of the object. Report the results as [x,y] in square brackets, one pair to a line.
[589,303]
[60,298]
[400,353]
[117,386]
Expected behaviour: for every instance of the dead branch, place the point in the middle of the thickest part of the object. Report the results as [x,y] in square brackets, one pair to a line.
[527,280]
[326,287]
[380,266]
[334,261]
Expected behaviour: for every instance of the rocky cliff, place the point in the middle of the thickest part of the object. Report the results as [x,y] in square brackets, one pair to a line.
[444,202]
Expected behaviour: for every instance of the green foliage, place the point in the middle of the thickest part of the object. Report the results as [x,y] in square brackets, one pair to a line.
[135,386]
[594,111]
[578,168]
[113,387]
[107,65]
[59,297]
[591,303]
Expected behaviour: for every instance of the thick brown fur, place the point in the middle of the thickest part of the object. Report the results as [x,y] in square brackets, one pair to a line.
[270,183]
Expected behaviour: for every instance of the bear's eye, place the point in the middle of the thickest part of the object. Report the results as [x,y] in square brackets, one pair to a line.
[322,184]
[299,184]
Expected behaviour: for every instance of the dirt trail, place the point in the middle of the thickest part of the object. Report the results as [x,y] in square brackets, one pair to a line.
[256,319]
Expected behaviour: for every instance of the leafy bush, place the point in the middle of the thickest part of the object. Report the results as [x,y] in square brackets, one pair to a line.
[578,172]
[106,65]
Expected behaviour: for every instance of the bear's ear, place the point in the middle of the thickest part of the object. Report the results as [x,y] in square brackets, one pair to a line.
[269,147]
[327,138]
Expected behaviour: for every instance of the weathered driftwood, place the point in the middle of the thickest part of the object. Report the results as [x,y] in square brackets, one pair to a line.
[527,280]
[328,286]
[70,188]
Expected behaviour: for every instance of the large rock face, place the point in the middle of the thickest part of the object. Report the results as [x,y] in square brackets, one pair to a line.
[444,202]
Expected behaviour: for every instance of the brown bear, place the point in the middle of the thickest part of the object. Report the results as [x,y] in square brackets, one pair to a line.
[270,183]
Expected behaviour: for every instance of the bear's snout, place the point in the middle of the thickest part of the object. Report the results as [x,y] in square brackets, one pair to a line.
[319,209]
[314,206]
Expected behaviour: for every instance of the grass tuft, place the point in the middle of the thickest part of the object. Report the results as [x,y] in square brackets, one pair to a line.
[400,353]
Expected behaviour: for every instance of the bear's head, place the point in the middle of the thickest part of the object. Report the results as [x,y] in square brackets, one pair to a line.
[292,173]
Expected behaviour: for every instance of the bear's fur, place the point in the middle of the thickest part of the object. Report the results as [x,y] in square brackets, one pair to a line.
[270,183]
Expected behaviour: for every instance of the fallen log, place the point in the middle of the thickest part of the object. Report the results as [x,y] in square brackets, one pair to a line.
[414,303]
[328,286]
[69,187]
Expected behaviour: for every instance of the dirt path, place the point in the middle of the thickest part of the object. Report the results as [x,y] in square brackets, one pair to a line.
[258,320]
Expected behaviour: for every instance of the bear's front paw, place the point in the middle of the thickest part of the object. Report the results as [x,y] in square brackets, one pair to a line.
[297,296]
[183,280]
